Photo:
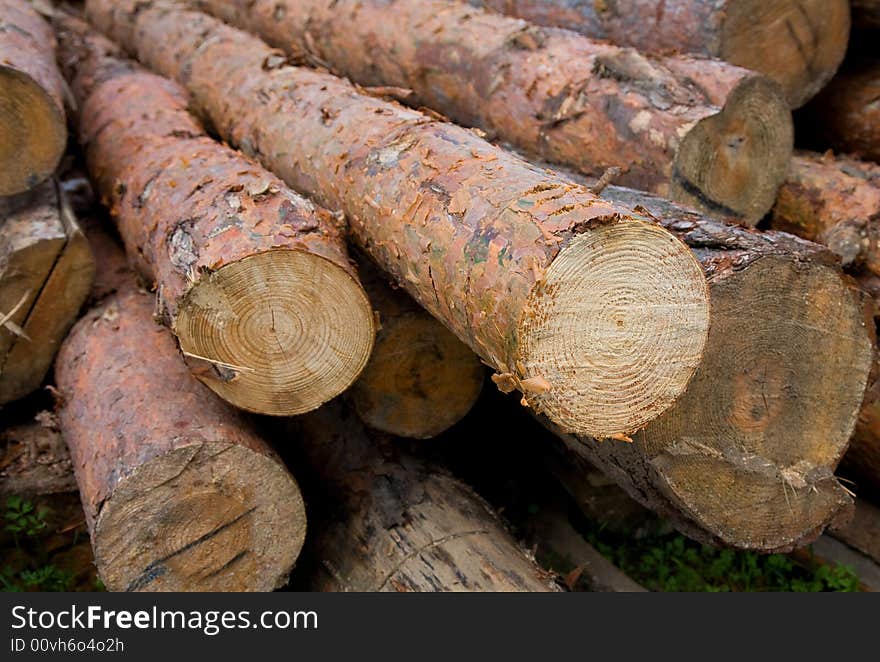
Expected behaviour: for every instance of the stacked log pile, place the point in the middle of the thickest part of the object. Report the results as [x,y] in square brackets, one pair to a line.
[361,259]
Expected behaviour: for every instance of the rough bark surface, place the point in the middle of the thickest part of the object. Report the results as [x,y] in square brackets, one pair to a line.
[33,131]
[554,93]
[396,524]
[846,115]
[421,379]
[252,278]
[46,270]
[834,200]
[34,459]
[524,268]
[797,43]
[746,457]
[179,493]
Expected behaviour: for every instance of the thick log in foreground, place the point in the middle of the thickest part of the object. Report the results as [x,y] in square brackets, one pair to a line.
[253,279]
[596,315]
[699,131]
[421,379]
[746,456]
[179,493]
[846,115]
[834,200]
[46,270]
[393,523]
[797,43]
[33,128]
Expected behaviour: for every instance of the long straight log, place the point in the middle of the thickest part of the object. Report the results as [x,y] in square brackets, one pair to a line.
[179,493]
[746,457]
[395,523]
[797,43]
[555,94]
[598,316]
[846,115]
[420,379]
[834,200]
[46,270]
[33,130]
[253,279]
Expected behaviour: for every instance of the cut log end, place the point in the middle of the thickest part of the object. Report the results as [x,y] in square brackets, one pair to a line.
[209,517]
[768,439]
[317,318]
[732,163]
[798,43]
[420,381]
[616,330]
[33,132]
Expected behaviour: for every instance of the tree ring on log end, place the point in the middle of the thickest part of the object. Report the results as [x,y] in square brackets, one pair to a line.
[732,163]
[420,380]
[748,452]
[203,517]
[616,330]
[798,43]
[33,132]
[280,332]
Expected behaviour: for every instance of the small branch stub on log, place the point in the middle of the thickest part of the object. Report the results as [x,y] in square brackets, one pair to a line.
[701,131]
[179,493]
[540,278]
[33,130]
[797,43]
[46,270]
[253,279]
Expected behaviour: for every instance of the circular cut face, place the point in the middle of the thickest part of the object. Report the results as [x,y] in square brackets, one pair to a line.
[420,380]
[749,449]
[279,333]
[616,330]
[204,517]
[33,133]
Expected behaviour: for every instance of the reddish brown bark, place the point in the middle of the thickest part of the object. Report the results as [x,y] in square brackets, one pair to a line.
[252,278]
[179,493]
[33,132]
[846,115]
[522,266]
[554,93]
[834,200]
[797,43]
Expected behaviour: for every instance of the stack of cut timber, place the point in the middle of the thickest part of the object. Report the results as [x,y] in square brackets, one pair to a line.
[597,315]
[700,131]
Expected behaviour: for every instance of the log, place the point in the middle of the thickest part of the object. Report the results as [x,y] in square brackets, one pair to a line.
[862,461]
[34,459]
[555,94]
[834,200]
[33,129]
[846,115]
[253,279]
[865,14]
[179,492]
[394,523]
[421,379]
[863,531]
[547,284]
[797,43]
[746,457]
[46,270]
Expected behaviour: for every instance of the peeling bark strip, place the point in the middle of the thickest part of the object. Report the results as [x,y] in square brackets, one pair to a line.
[252,278]
[33,131]
[746,456]
[846,116]
[834,200]
[394,523]
[179,493]
[46,270]
[797,43]
[421,379]
[598,316]
[554,93]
